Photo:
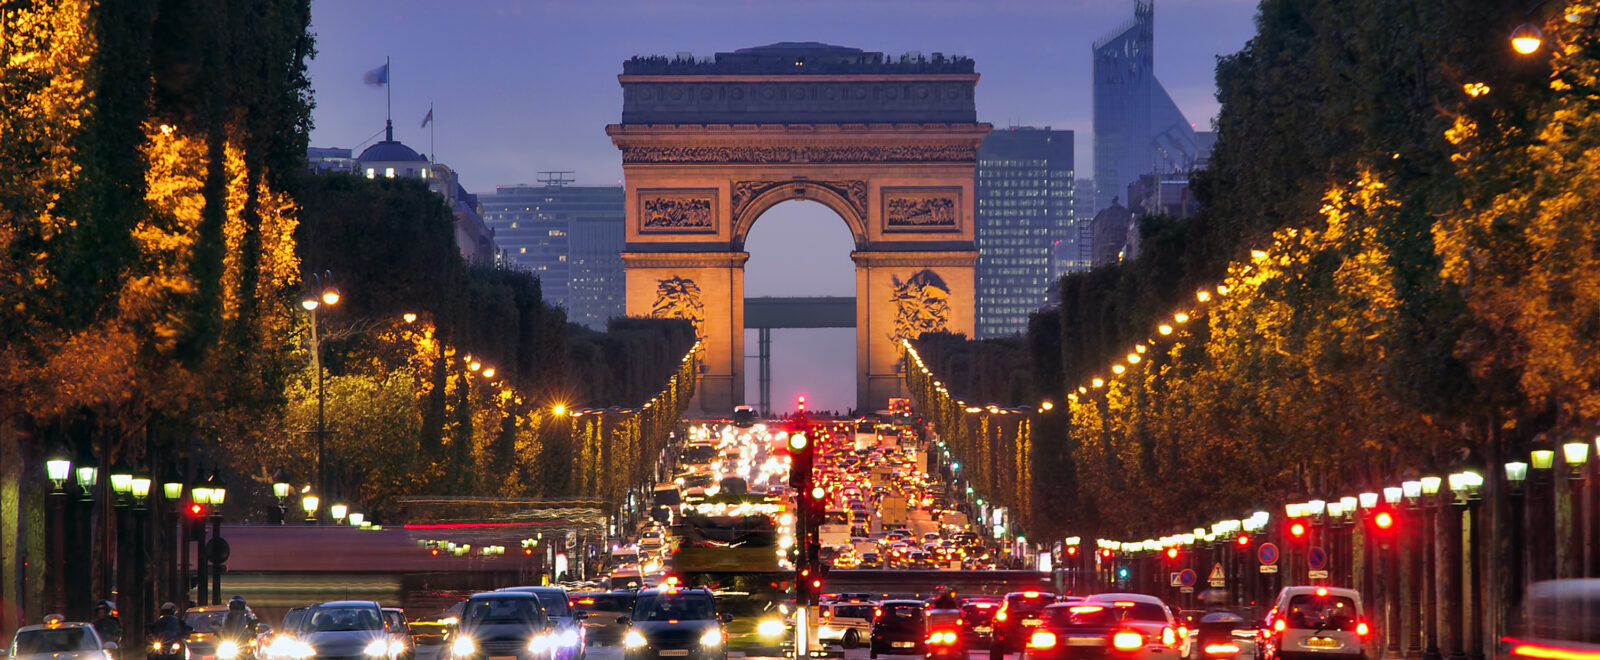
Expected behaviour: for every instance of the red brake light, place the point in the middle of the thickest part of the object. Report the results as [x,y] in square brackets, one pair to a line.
[1362,629]
[1278,625]
[1168,637]
[1222,649]
[1042,639]
[1030,594]
[1127,640]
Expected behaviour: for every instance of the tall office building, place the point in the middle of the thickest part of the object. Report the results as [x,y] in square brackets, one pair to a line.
[1137,128]
[1024,195]
[571,237]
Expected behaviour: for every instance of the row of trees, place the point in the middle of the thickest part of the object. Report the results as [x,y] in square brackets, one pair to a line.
[1400,213]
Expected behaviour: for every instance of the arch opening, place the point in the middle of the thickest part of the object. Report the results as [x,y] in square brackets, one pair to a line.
[847,200]
[799,249]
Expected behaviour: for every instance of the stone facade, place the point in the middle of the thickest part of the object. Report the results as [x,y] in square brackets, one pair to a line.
[694,189]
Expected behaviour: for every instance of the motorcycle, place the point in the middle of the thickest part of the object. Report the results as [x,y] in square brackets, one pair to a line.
[163,648]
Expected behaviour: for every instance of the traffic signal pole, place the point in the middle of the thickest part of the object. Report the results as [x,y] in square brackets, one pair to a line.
[802,449]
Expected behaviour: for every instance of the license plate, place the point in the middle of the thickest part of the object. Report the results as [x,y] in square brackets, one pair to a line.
[1085,641]
[674,652]
[983,629]
[1030,622]
[903,645]
[502,657]
[1322,643]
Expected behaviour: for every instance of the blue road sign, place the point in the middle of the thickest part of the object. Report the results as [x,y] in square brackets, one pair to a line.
[1186,578]
[1268,554]
[1317,558]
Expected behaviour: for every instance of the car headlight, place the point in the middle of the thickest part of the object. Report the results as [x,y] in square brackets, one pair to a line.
[769,628]
[377,648]
[463,647]
[396,647]
[633,640]
[713,637]
[539,644]
[228,650]
[568,638]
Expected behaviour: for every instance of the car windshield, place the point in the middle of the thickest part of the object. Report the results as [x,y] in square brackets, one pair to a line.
[344,619]
[59,640]
[1327,612]
[665,606]
[554,602]
[204,621]
[900,615]
[490,611]
[1028,604]
[981,612]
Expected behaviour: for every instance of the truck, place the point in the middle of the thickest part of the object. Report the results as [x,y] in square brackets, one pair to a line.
[892,511]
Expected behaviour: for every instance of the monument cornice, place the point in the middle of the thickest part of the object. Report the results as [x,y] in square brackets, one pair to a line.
[685,259]
[914,258]
[628,78]
[768,131]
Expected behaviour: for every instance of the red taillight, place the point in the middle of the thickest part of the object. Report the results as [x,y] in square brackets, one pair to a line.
[1168,637]
[942,638]
[1222,649]
[1362,629]
[1127,640]
[1278,626]
[1042,639]
[1544,652]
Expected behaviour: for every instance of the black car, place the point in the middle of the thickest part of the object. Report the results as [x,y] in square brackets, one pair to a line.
[674,623]
[977,621]
[502,624]
[1020,612]
[569,635]
[897,627]
[345,629]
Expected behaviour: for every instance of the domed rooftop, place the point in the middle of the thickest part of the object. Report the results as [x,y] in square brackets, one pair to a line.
[799,47]
[389,151]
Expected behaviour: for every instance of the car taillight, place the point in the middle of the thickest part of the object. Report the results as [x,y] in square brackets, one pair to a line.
[1168,637]
[1546,652]
[1127,640]
[942,638]
[1042,639]
[1362,629]
[1222,649]
[1278,625]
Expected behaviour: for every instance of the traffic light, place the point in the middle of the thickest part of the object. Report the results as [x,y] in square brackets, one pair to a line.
[1298,530]
[194,521]
[1172,553]
[1244,541]
[1384,520]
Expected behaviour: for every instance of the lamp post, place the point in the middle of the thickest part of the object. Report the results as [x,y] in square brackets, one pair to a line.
[1570,514]
[217,549]
[280,490]
[308,504]
[320,292]
[58,466]
[178,570]
[1433,583]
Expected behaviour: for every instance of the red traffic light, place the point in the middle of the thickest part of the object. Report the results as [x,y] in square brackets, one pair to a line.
[1298,530]
[1105,553]
[1383,520]
[1172,553]
[1072,551]
[433,551]
[1243,540]
[196,509]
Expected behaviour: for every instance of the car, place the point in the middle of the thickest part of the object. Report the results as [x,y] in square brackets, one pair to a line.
[897,627]
[651,540]
[1556,621]
[344,628]
[432,630]
[1019,613]
[871,560]
[760,625]
[1131,626]
[569,634]
[744,416]
[394,621]
[943,637]
[56,639]
[977,621]
[845,623]
[671,622]
[205,622]
[603,608]
[1218,636]
[1309,622]
[502,624]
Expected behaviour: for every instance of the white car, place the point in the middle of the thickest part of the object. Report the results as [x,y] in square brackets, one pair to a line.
[56,639]
[845,624]
[1316,622]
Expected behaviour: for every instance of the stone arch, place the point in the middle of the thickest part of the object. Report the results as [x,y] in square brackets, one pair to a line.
[837,196]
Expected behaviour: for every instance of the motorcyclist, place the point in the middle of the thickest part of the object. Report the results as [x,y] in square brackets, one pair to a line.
[168,626]
[238,626]
[106,624]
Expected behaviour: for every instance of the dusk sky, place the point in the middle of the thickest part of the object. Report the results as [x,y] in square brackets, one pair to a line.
[520,86]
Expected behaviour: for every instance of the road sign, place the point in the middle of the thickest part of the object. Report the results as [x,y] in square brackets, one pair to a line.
[1269,568]
[1173,580]
[1317,558]
[1317,575]
[1268,554]
[1218,578]
[1186,577]
[1187,590]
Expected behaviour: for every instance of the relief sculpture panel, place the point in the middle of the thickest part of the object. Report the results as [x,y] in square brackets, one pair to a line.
[678,211]
[853,191]
[921,209]
[922,304]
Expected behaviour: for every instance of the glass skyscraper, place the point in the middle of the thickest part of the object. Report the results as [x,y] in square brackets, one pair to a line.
[1024,195]
[571,237]
[1137,128]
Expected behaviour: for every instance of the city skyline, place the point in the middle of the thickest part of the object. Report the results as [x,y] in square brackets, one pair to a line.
[494,121]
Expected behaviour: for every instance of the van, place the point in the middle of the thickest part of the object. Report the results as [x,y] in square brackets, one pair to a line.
[1316,623]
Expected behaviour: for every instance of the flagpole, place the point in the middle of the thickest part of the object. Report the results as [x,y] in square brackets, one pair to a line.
[433,156]
[388,91]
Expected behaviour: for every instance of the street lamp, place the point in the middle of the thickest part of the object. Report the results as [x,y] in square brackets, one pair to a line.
[280,486]
[1576,454]
[338,511]
[318,293]
[1516,474]
[1527,39]
[172,483]
[88,473]
[308,503]
[140,488]
[57,467]
[1412,490]
[1392,495]
[356,518]
[121,478]
[1368,499]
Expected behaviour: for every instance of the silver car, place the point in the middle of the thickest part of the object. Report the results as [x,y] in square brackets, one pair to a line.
[59,640]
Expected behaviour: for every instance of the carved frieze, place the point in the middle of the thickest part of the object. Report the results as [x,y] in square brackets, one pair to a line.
[921,209]
[918,153]
[678,211]
[854,191]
